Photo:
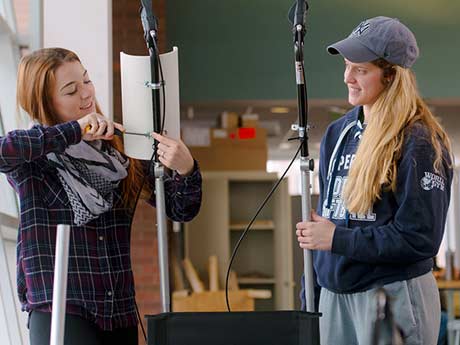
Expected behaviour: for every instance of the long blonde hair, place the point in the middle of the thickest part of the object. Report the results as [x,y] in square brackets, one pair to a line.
[35,83]
[398,107]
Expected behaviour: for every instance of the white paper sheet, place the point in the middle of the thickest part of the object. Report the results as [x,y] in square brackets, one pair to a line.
[137,101]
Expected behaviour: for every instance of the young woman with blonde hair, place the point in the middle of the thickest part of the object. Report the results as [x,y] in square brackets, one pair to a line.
[67,174]
[385,177]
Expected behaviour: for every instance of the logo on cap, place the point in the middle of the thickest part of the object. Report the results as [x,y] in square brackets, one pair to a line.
[361,28]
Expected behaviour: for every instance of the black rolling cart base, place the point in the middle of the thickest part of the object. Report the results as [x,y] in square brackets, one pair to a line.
[235,328]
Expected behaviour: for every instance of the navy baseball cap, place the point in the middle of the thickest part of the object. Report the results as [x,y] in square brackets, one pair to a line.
[379,37]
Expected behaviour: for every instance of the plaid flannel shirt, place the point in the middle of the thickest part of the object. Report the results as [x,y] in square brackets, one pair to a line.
[100,280]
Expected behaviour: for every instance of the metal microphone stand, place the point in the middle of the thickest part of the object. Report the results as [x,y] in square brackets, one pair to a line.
[306,164]
[150,34]
[250,328]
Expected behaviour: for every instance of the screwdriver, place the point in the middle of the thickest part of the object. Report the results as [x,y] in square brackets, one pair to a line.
[120,133]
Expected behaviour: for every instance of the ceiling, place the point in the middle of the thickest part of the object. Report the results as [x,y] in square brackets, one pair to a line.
[321,113]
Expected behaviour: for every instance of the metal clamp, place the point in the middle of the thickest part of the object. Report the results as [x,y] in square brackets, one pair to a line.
[296,127]
[159,170]
[301,130]
[154,86]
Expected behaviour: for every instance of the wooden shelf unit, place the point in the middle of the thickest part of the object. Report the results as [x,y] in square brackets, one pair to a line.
[264,260]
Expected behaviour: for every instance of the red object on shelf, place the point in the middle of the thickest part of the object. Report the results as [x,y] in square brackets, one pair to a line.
[246,133]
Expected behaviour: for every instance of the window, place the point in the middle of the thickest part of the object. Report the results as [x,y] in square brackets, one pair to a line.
[9,46]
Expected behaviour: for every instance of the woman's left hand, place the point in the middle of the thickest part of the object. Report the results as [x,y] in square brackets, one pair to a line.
[317,234]
[174,154]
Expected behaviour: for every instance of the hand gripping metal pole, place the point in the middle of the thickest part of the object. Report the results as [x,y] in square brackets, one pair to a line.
[299,12]
[305,168]
[162,232]
[60,285]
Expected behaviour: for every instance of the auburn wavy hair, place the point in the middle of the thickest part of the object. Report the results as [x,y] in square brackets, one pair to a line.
[35,84]
[398,107]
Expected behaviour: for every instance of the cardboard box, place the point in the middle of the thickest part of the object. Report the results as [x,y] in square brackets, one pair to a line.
[242,300]
[229,120]
[250,120]
[238,149]
[213,301]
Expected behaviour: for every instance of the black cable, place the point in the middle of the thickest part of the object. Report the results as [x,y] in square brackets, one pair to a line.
[243,235]
[303,140]
[140,321]
[162,82]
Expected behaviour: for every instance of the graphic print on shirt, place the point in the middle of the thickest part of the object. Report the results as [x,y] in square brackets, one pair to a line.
[430,181]
[337,208]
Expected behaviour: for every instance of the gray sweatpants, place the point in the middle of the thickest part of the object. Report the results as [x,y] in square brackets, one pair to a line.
[348,319]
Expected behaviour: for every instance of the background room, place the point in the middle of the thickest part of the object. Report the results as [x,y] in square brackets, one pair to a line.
[238,104]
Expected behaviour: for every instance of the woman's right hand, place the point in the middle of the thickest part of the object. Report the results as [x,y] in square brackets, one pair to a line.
[95,126]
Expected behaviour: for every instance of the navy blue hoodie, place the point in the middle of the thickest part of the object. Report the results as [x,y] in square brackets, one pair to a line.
[398,238]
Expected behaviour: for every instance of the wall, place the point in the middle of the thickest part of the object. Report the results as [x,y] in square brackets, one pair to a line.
[84,26]
[236,49]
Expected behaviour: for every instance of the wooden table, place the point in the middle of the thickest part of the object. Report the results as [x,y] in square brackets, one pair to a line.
[449,286]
